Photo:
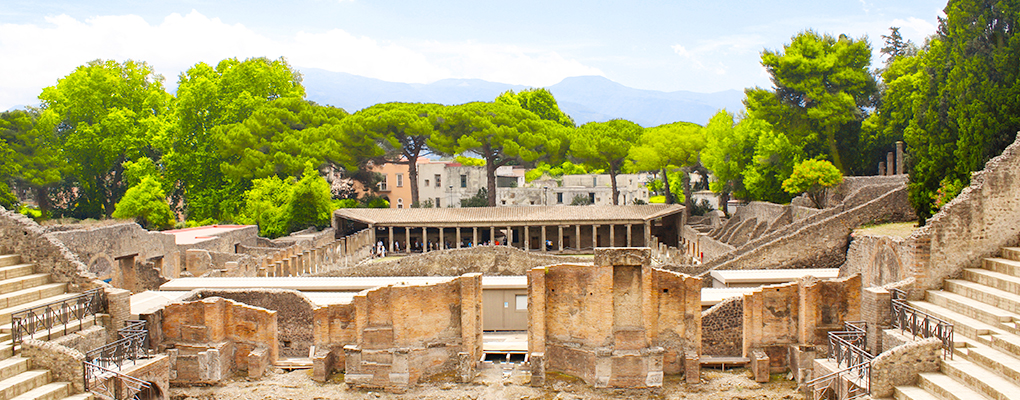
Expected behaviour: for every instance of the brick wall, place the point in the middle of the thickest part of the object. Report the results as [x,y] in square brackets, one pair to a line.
[722,328]
[21,235]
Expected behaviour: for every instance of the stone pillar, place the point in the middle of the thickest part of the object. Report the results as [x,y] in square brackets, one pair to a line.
[441,241]
[371,235]
[899,158]
[692,368]
[391,239]
[544,240]
[612,235]
[474,236]
[881,167]
[407,238]
[594,236]
[458,237]
[527,239]
[492,235]
[890,163]
[118,303]
[648,233]
[509,236]
[629,242]
[560,240]
[424,240]
[577,236]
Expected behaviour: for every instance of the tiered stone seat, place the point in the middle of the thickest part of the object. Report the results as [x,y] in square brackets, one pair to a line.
[21,288]
[984,308]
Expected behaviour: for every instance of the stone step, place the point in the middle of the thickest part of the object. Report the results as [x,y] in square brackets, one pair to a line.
[16,270]
[1007,343]
[988,314]
[945,387]
[12,366]
[49,391]
[980,379]
[81,396]
[1002,266]
[994,279]
[985,294]
[5,314]
[9,259]
[912,393]
[23,382]
[23,282]
[57,331]
[962,324]
[14,299]
[1005,364]
[1011,253]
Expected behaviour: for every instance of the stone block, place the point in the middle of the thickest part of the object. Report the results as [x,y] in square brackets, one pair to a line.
[465,367]
[760,366]
[537,361]
[692,368]
[258,362]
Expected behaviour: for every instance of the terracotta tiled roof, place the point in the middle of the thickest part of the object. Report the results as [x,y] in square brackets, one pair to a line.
[504,216]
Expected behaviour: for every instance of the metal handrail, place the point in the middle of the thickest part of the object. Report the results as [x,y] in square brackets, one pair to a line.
[96,372]
[28,322]
[132,346]
[920,323]
[861,386]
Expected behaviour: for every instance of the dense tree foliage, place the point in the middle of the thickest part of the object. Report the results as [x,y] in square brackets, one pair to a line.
[813,177]
[146,204]
[540,102]
[606,146]
[668,147]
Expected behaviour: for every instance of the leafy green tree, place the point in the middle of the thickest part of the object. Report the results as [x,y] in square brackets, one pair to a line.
[135,171]
[265,205]
[774,158]
[480,199]
[208,98]
[310,203]
[813,177]
[580,200]
[499,134]
[566,168]
[7,168]
[729,150]
[470,161]
[35,154]
[104,113]
[969,108]
[404,127]
[605,145]
[667,147]
[146,203]
[539,101]
[823,87]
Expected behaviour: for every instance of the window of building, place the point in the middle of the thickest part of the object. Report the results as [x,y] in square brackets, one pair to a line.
[382,185]
[400,203]
[594,181]
[426,182]
[591,197]
[559,198]
[463,181]
[400,180]
[439,182]
[521,301]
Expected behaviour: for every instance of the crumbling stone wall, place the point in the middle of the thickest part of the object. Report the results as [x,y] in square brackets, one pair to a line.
[802,313]
[901,365]
[64,363]
[100,247]
[722,328]
[852,184]
[21,235]
[226,242]
[211,338]
[617,323]
[882,260]
[489,260]
[407,333]
[294,317]
[334,328]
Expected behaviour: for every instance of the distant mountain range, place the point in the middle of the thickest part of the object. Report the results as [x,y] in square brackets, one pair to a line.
[585,98]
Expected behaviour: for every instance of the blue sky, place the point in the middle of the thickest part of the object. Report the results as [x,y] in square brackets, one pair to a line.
[701,46]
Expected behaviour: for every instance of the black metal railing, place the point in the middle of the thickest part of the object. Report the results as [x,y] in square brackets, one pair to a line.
[105,363]
[848,346]
[920,323]
[57,314]
[847,381]
[101,382]
[853,362]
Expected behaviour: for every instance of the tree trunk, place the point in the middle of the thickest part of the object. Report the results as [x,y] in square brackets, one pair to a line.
[42,200]
[412,175]
[665,185]
[724,199]
[490,175]
[686,181]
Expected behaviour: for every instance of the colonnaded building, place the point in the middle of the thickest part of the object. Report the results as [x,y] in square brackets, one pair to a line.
[850,300]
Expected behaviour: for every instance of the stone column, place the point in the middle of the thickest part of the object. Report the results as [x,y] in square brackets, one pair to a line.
[391,239]
[407,238]
[371,235]
[648,233]
[560,237]
[509,236]
[612,235]
[899,158]
[474,236]
[492,235]
[424,240]
[630,243]
[577,236]
[594,236]
[544,240]
[441,242]
[527,239]
[889,163]
[881,167]
[458,237]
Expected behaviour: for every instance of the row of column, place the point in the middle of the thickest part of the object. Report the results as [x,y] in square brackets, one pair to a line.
[393,244]
[295,261]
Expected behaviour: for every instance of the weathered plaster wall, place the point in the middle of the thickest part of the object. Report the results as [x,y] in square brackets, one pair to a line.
[407,333]
[882,260]
[722,328]
[294,317]
[20,235]
[778,317]
[901,365]
[211,338]
[617,323]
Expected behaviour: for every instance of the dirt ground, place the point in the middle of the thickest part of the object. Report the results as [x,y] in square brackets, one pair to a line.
[496,382]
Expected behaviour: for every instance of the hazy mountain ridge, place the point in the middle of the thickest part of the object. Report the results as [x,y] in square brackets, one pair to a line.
[585,98]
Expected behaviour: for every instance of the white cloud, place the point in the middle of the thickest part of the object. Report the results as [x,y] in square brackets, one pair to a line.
[708,55]
[914,29]
[46,53]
